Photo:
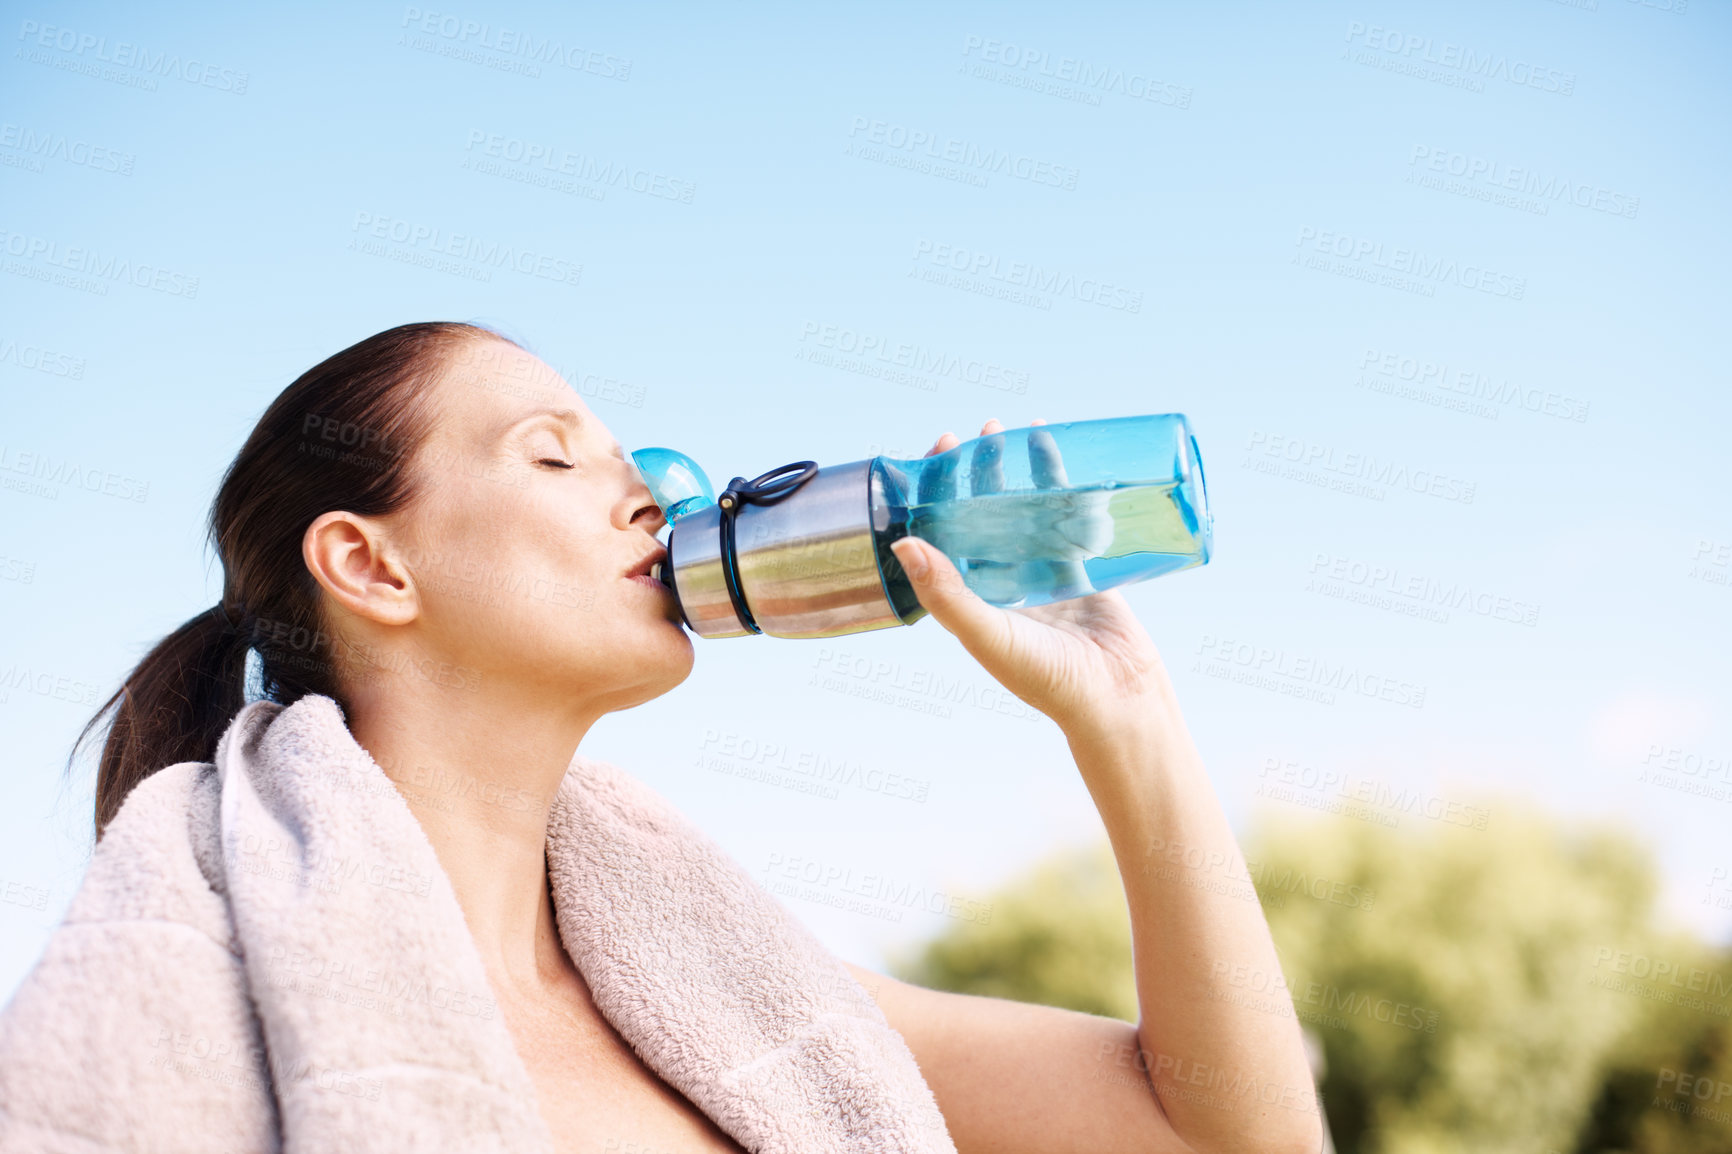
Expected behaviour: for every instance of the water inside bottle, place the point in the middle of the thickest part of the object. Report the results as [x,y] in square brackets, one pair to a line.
[1034,547]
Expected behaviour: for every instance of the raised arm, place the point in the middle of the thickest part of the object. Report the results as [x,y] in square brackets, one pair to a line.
[1202,1070]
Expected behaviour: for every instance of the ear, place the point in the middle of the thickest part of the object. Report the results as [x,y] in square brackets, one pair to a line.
[352,559]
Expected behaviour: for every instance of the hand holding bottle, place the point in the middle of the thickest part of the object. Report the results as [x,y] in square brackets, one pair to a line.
[1032,541]
[1085,662]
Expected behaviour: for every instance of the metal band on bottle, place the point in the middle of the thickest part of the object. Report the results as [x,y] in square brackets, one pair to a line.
[764,489]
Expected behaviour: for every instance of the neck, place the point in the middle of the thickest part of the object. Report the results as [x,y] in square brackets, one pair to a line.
[480,775]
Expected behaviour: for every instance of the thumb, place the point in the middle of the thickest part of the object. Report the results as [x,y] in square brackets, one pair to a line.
[982,629]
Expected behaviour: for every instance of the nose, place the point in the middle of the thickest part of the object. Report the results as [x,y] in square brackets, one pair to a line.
[650,516]
[644,510]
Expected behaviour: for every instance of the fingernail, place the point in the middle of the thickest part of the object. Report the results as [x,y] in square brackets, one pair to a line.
[913,560]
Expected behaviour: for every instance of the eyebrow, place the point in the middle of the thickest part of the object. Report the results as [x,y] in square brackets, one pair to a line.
[570,417]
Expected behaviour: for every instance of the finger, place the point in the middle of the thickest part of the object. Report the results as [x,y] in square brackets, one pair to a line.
[986,463]
[1038,421]
[1078,522]
[1045,464]
[992,426]
[987,577]
[944,444]
[938,480]
[983,630]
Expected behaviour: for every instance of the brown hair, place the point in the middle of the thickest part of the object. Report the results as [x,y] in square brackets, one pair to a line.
[340,437]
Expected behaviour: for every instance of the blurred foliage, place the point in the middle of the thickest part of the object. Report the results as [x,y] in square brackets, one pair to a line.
[1490,930]
[1668,1082]
[1059,936]
[1487,990]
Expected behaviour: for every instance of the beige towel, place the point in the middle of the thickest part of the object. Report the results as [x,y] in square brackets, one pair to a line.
[265,954]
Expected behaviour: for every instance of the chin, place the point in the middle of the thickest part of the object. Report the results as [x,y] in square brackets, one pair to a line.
[664,664]
[680,666]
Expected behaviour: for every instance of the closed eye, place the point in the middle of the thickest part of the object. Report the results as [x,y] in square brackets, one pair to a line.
[556,463]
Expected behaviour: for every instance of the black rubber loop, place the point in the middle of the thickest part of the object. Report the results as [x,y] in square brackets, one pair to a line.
[767,488]
[764,489]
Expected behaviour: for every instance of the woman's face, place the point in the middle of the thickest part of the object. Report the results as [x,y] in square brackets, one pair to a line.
[531,540]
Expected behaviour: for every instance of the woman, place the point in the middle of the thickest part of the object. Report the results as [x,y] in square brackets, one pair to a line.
[387,905]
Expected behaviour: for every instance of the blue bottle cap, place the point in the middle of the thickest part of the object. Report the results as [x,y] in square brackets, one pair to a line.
[675,481]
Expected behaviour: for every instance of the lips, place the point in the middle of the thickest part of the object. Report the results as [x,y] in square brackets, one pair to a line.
[648,566]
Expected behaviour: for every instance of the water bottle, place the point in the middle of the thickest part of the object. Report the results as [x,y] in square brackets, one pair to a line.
[1028,516]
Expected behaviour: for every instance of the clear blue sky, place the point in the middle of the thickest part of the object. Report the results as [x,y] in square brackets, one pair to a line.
[1386,256]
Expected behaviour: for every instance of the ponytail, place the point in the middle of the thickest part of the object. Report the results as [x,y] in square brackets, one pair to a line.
[340,437]
[172,708]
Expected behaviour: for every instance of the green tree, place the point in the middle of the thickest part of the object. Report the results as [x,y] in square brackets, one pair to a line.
[1485,990]
[1060,936]
[1489,938]
[1667,1087]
